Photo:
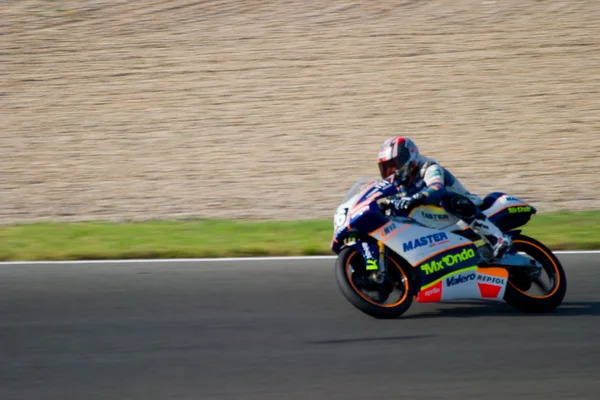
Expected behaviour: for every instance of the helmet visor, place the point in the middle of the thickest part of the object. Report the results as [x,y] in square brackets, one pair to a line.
[399,165]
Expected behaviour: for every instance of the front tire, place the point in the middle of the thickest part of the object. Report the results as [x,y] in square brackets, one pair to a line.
[352,277]
[519,283]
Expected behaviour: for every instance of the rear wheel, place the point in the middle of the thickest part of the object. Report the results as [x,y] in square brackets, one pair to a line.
[531,290]
[389,299]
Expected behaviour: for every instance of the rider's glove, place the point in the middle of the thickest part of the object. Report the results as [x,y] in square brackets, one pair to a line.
[410,202]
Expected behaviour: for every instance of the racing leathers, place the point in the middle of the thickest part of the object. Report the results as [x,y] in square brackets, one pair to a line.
[432,184]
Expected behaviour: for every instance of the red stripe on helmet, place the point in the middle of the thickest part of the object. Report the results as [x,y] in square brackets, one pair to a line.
[399,142]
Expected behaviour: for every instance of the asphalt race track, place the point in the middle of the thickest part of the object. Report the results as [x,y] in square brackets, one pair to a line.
[278,330]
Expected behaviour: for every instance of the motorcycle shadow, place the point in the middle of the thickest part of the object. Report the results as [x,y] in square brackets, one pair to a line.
[471,309]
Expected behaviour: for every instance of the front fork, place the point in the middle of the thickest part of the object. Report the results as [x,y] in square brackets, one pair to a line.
[375,259]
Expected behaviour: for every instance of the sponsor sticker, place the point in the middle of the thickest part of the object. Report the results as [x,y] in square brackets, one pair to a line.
[491,282]
[367,250]
[429,240]
[491,279]
[435,217]
[389,229]
[517,210]
[372,265]
[382,185]
[431,294]
[448,261]
[509,199]
[460,278]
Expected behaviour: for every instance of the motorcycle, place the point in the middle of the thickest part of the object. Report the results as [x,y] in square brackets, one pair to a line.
[429,255]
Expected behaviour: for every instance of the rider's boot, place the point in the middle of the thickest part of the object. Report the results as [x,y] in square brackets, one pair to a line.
[492,235]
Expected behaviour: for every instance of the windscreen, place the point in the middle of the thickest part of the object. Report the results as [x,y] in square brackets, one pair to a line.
[358,186]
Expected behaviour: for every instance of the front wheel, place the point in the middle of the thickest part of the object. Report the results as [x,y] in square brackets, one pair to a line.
[389,299]
[536,292]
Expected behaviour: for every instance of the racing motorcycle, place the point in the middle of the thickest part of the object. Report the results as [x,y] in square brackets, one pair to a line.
[429,255]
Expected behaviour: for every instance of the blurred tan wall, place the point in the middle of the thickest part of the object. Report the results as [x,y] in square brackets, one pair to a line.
[271,109]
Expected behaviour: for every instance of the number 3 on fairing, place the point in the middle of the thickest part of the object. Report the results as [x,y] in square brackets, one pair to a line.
[340,218]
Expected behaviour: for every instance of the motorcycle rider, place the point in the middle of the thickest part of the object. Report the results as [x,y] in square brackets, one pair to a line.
[425,182]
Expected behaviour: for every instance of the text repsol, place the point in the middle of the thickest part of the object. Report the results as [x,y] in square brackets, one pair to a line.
[491,279]
[424,241]
[448,261]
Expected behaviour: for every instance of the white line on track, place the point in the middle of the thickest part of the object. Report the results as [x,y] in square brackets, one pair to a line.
[228,259]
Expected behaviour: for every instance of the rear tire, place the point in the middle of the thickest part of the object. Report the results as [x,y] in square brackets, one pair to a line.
[349,270]
[518,283]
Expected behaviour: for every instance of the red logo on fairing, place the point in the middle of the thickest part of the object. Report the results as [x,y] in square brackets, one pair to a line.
[491,281]
[432,294]
[489,291]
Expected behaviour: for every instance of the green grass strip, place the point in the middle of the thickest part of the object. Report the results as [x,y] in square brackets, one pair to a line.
[219,238]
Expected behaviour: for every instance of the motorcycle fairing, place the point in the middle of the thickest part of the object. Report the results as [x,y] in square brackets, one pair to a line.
[505,211]
[360,212]
[508,212]
[433,253]
[417,243]
[434,217]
